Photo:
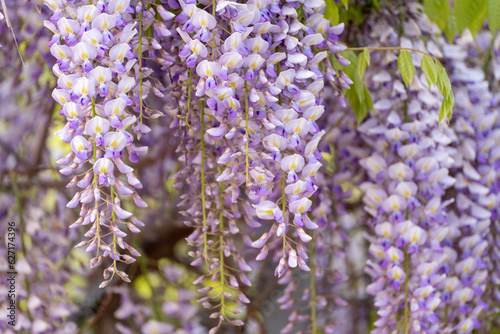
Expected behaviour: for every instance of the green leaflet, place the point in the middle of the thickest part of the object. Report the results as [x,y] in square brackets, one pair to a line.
[351,72]
[359,96]
[444,84]
[493,14]
[429,68]
[345,2]
[360,107]
[466,14]
[438,12]
[363,62]
[443,81]
[406,67]
[446,107]
[331,12]
[470,14]
[451,29]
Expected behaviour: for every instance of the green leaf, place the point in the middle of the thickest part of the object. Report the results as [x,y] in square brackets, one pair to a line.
[360,108]
[443,81]
[346,3]
[443,111]
[444,84]
[359,96]
[470,14]
[352,73]
[451,29]
[477,23]
[331,12]
[429,68]
[368,99]
[437,11]
[367,55]
[493,15]
[451,98]
[363,62]
[446,107]
[406,67]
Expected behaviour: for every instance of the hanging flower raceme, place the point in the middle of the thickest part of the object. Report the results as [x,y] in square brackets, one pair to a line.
[284,93]
[101,88]
[405,197]
[472,229]
[253,99]
[209,132]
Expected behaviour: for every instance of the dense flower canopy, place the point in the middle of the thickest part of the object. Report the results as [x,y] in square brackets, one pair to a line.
[261,166]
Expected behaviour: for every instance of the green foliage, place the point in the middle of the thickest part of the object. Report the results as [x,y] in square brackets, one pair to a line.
[443,81]
[363,62]
[493,14]
[331,12]
[356,12]
[470,14]
[358,96]
[451,29]
[429,67]
[438,11]
[444,84]
[406,67]
[361,106]
[465,14]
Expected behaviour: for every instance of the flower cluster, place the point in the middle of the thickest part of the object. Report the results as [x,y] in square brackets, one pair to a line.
[475,123]
[254,88]
[100,89]
[408,173]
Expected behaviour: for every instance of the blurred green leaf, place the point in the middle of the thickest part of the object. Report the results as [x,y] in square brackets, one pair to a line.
[470,14]
[438,11]
[359,96]
[363,62]
[451,29]
[331,12]
[444,84]
[493,14]
[443,81]
[446,107]
[406,67]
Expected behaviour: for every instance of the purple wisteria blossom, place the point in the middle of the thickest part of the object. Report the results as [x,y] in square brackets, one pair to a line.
[100,90]
[405,196]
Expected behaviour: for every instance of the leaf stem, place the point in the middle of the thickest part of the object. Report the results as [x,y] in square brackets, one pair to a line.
[247,164]
[407,273]
[221,242]
[406,265]
[98,226]
[283,198]
[190,82]
[113,217]
[313,287]
[202,130]
[140,67]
